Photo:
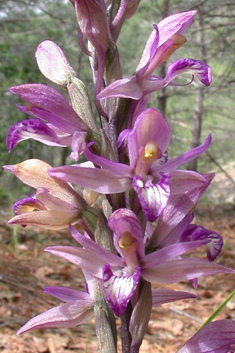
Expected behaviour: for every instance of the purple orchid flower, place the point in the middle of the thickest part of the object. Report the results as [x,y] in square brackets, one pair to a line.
[152,177]
[56,203]
[165,38]
[121,274]
[217,336]
[63,127]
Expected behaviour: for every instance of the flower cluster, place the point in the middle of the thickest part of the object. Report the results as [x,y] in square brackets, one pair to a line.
[137,206]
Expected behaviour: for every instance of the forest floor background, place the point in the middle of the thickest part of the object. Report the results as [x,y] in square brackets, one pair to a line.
[25,269]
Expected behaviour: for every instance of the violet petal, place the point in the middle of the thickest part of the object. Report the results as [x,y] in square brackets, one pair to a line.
[153,197]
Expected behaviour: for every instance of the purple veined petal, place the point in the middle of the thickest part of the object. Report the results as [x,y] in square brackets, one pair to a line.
[183,158]
[53,64]
[149,126]
[185,180]
[182,270]
[82,258]
[50,100]
[126,88]
[175,235]
[100,252]
[194,67]
[164,295]
[215,337]
[153,197]
[66,294]
[119,290]
[65,315]
[31,129]
[172,251]
[174,24]
[178,207]
[61,123]
[117,168]
[100,180]
[215,241]
[124,221]
[27,204]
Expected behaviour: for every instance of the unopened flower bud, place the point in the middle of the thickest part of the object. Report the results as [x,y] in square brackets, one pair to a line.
[53,63]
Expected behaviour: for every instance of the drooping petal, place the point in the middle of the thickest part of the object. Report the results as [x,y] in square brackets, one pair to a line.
[194,67]
[100,180]
[65,315]
[164,295]
[153,197]
[53,63]
[216,337]
[182,270]
[31,129]
[119,290]
[66,294]
[215,241]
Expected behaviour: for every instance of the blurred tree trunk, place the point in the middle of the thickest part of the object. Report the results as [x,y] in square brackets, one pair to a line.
[198,108]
